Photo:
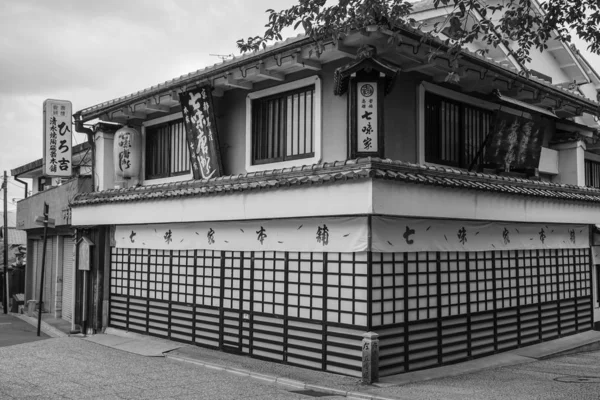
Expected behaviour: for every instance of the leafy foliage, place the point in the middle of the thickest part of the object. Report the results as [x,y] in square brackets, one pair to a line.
[525,22]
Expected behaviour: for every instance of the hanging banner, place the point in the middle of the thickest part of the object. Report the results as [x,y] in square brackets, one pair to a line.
[201,132]
[310,234]
[516,142]
[367,118]
[57,138]
[410,235]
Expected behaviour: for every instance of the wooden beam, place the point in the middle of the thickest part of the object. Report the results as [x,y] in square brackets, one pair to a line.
[349,51]
[418,67]
[304,63]
[264,73]
[171,100]
[151,106]
[218,92]
[238,83]
[132,114]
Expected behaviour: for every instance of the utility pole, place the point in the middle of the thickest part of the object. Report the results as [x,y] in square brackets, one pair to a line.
[44,220]
[5,187]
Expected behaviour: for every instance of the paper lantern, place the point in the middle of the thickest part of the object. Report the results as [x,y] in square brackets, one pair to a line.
[127,153]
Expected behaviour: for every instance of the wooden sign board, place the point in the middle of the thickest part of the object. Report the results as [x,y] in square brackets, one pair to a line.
[84,254]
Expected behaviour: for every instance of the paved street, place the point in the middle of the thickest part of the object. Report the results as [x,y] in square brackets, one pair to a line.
[573,377]
[72,368]
[14,331]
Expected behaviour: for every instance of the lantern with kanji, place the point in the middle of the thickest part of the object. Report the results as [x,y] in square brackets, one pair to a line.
[127,153]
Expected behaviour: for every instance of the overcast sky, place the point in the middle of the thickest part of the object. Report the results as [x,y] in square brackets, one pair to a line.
[89,52]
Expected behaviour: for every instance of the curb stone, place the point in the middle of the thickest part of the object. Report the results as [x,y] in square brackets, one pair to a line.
[44,327]
[282,381]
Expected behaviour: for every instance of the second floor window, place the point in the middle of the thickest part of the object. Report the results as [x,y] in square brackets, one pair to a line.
[454,131]
[592,173]
[167,152]
[283,126]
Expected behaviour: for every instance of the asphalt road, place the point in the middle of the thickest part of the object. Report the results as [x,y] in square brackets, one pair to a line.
[72,368]
[14,331]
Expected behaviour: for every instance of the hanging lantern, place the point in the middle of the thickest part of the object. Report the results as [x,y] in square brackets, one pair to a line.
[127,153]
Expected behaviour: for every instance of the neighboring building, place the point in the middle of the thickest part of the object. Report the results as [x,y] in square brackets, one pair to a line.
[17,241]
[59,275]
[332,218]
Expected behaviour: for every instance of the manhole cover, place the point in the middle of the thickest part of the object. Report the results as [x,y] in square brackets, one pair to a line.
[578,379]
[312,393]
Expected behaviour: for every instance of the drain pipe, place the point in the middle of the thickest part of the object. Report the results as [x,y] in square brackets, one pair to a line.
[23,182]
[90,138]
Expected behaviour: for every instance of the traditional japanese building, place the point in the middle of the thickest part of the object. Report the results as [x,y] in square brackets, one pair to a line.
[59,277]
[281,205]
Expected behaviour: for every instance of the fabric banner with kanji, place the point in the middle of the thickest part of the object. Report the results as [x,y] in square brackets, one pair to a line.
[408,235]
[310,234]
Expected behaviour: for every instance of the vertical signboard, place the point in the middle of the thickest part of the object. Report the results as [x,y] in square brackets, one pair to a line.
[366,119]
[365,112]
[57,138]
[201,132]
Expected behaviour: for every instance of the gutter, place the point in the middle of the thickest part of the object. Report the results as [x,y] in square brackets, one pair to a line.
[23,182]
[90,137]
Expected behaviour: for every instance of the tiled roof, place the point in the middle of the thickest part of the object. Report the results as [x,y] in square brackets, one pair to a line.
[340,171]
[298,41]
[39,162]
[203,73]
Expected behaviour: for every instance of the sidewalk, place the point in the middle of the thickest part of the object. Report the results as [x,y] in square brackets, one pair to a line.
[323,383]
[53,327]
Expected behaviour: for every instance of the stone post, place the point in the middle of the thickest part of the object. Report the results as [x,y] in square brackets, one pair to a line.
[370,357]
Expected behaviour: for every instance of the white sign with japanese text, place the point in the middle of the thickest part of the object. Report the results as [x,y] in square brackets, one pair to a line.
[366,116]
[57,138]
[327,234]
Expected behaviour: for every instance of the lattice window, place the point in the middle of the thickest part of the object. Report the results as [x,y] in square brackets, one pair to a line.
[182,276]
[159,284]
[305,285]
[138,273]
[481,281]
[387,303]
[269,282]
[283,126]
[454,131]
[347,284]
[421,286]
[119,279]
[506,279]
[528,277]
[208,278]
[592,173]
[167,152]
[232,279]
[547,272]
[454,289]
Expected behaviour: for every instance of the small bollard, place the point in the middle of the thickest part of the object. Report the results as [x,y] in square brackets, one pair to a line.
[31,304]
[370,357]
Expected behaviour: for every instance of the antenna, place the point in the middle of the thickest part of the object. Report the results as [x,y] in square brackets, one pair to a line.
[222,56]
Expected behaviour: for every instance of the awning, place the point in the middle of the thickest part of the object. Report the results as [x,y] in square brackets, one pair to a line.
[524,105]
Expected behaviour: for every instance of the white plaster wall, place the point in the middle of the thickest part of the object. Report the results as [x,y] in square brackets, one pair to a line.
[546,64]
[307,201]
[105,170]
[571,165]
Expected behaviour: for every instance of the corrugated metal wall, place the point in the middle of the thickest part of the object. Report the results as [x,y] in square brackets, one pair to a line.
[68,277]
